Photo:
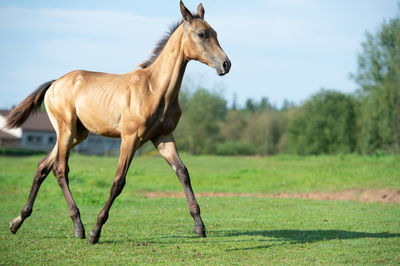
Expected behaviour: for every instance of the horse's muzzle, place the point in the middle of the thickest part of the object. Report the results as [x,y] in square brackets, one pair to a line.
[226,66]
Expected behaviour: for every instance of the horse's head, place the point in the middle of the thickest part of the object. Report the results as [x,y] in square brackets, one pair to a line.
[200,41]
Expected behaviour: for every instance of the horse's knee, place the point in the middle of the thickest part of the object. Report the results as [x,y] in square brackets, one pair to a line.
[59,174]
[60,170]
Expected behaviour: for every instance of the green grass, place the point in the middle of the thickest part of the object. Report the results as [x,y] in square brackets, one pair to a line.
[240,230]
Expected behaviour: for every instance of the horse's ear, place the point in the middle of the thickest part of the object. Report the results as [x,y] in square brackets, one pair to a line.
[185,12]
[200,11]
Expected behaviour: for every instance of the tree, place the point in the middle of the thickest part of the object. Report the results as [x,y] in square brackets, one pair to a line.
[264,130]
[324,124]
[198,130]
[259,107]
[378,77]
[250,106]
[231,129]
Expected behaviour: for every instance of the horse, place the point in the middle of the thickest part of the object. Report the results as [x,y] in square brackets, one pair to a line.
[138,106]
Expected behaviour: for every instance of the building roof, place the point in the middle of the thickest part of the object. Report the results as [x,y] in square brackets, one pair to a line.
[5,135]
[4,112]
[36,122]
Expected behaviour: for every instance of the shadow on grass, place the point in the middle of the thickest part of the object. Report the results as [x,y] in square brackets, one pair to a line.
[272,238]
[301,236]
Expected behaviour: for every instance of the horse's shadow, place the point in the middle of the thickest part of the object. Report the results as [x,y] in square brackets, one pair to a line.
[294,236]
[269,238]
[304,236]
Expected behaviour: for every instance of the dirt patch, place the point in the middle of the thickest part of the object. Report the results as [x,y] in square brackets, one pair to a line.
[370,195]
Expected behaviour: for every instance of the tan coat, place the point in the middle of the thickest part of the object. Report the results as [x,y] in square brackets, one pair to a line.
[137,106]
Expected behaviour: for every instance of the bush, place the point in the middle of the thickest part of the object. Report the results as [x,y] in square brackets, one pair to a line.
[325,124]
[18,152]
[235,148]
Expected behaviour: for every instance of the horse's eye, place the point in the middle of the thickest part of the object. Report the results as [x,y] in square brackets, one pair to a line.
[201,35]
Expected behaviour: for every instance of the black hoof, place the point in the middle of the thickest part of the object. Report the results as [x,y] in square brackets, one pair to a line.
[200,231]
[93,238]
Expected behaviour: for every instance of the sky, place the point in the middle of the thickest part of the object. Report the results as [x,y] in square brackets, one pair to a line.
[279,49]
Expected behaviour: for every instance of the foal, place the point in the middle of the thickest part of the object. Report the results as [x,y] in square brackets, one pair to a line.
[137,106]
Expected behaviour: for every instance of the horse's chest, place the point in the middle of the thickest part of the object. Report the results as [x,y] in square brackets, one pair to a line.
[161,123]
[168,124]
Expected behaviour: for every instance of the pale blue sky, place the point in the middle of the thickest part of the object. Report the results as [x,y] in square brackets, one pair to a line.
[280,49]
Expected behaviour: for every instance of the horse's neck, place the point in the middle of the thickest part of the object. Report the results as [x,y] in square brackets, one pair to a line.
[168,69]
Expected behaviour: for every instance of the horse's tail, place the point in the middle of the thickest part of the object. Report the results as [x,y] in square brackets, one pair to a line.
[32,103]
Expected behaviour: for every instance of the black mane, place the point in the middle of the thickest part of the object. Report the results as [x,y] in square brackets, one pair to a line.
[161,44]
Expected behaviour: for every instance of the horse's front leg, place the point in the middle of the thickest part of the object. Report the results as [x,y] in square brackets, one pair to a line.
[128,148]
[167,148]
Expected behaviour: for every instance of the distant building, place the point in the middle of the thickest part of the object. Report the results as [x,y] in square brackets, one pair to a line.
[37,133]
[9,137]
[8,140]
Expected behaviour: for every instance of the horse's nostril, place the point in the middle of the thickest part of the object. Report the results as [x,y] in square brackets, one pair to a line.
[225,65]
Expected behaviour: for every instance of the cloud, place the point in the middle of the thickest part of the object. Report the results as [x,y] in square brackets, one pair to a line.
[82,37]
[283,32]
[279,48]
[77,21]
[291,3]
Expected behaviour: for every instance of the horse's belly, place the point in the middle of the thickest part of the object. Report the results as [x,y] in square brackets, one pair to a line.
[101,123]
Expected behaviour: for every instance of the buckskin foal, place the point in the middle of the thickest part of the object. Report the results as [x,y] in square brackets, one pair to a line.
[137,106]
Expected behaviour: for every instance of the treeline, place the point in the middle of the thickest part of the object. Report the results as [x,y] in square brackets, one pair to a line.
[209,126]
[330,122]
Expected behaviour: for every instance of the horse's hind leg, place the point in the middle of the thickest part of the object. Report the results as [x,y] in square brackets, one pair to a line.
[66,139]
[43,169]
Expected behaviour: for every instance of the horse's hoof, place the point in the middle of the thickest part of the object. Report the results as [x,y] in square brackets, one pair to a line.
[200,231]
[15,224]
[93,238]
[13,228]
[79,234]
[79,230]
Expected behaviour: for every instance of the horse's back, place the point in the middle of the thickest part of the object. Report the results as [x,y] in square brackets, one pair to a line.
[96,98]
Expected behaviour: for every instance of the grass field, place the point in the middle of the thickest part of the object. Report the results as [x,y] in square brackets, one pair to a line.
[241,230]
